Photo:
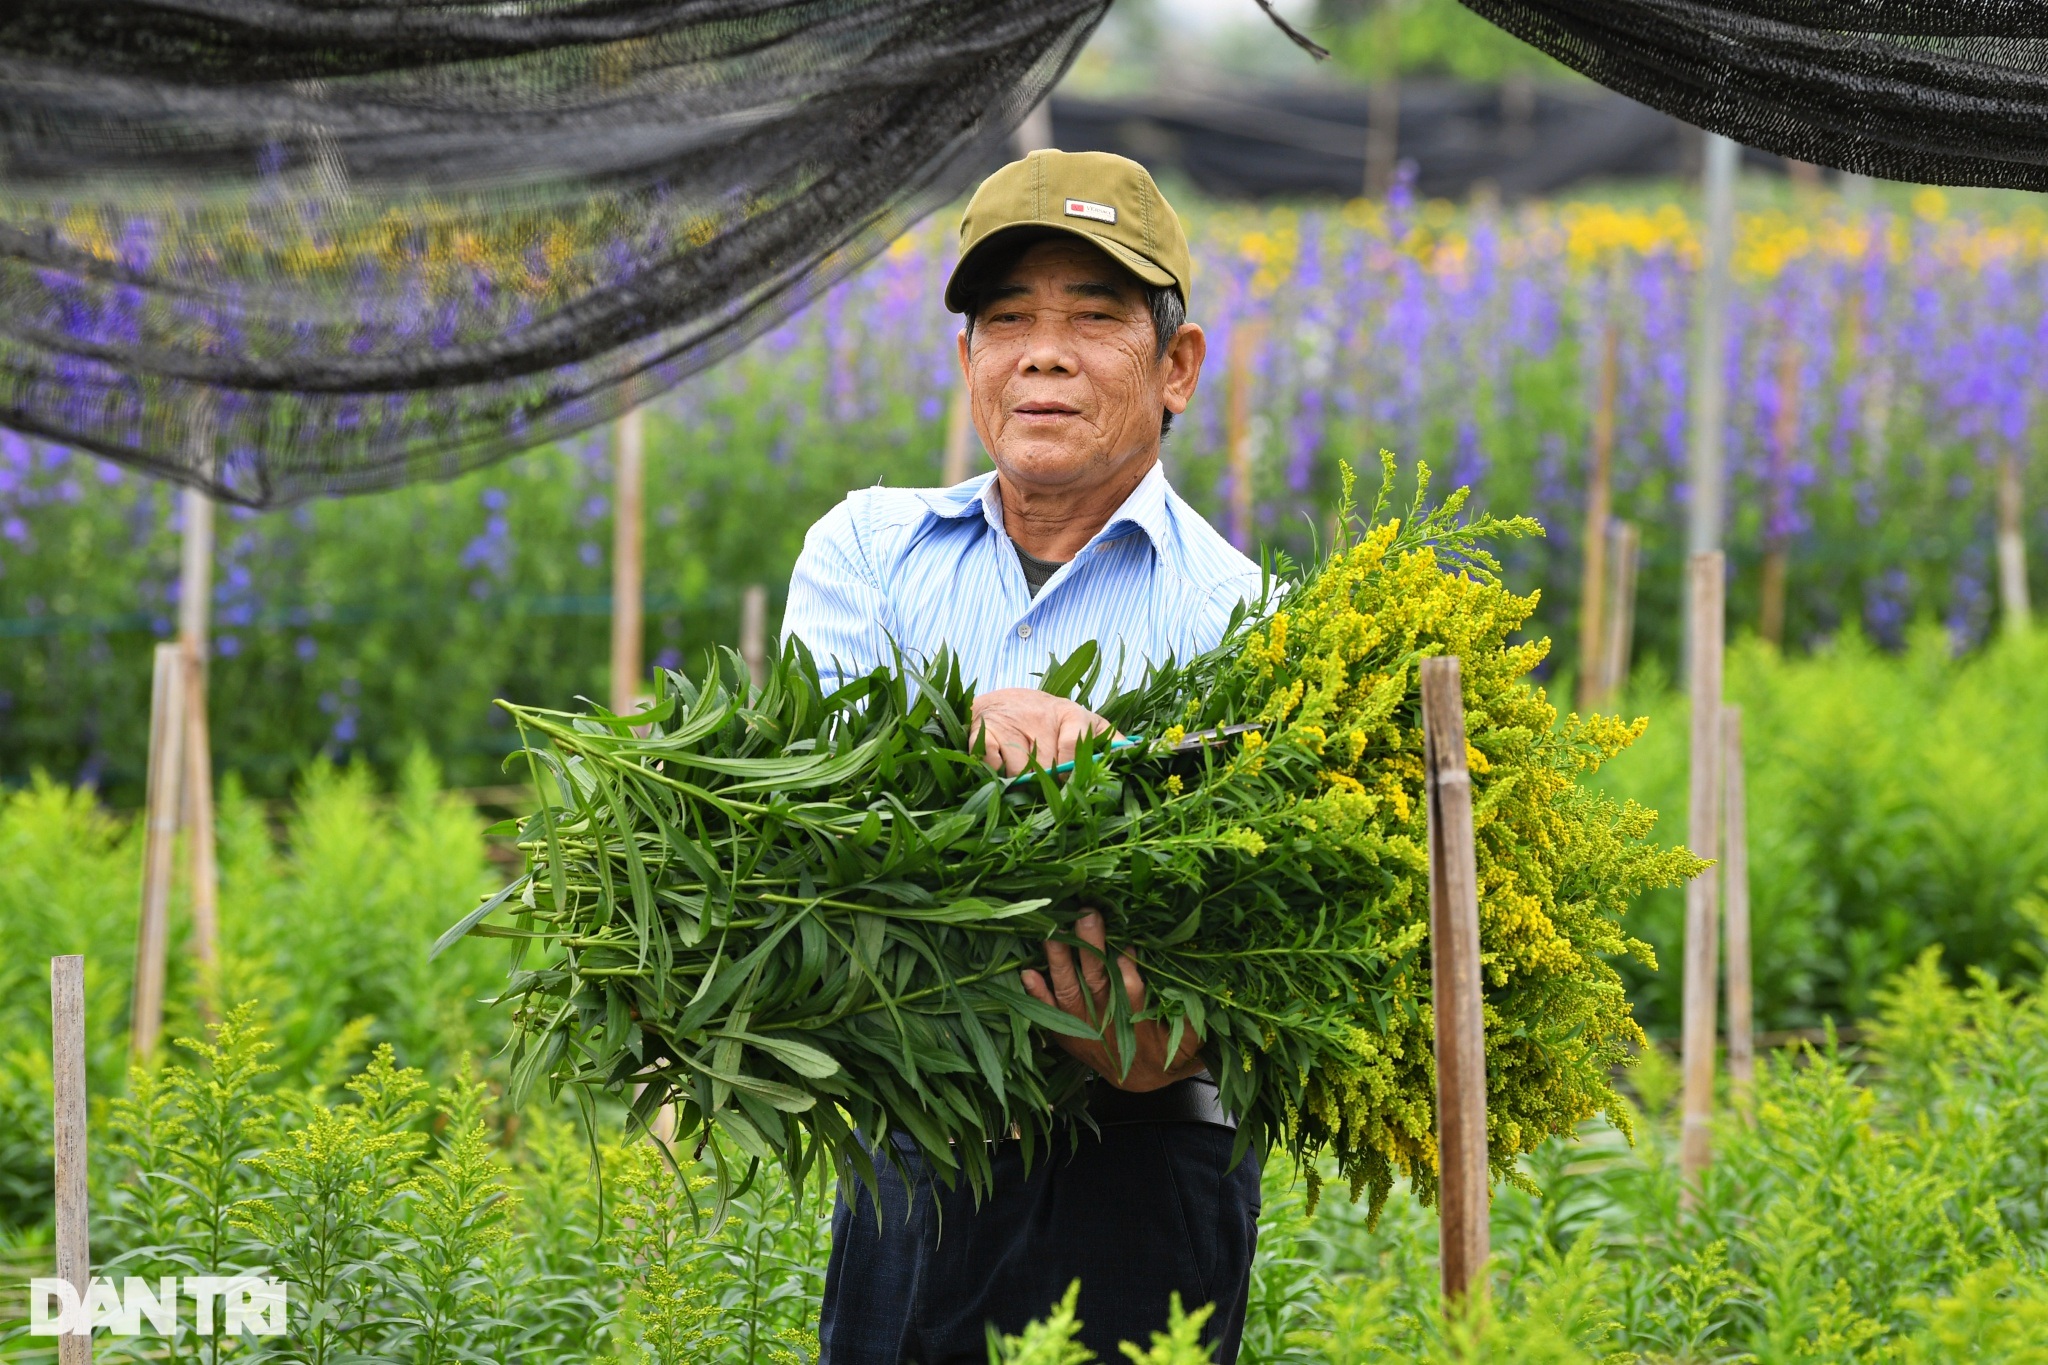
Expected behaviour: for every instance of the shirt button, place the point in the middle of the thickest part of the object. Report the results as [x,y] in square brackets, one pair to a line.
[1024,631]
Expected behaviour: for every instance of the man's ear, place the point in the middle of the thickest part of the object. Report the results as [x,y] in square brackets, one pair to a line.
[1183,362]
[961,340]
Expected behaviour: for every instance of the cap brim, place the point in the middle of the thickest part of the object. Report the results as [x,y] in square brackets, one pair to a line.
[1130,260]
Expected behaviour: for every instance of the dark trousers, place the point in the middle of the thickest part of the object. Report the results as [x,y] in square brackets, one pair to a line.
[1141,1212]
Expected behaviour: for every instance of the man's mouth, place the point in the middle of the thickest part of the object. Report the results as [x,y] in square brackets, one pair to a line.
[1045,410]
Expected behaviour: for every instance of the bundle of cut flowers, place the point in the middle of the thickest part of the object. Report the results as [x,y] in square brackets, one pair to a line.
[800,914]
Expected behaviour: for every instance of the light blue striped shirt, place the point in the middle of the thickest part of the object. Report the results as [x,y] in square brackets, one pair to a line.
[927,567]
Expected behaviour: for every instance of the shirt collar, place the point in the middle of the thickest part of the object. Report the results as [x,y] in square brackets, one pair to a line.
[1145,509]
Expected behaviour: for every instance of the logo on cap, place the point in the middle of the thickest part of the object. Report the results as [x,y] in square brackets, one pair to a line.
[1081,208]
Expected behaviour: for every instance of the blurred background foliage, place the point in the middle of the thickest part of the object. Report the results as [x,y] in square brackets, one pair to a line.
[326,908]
[1895,804]
[1376,38]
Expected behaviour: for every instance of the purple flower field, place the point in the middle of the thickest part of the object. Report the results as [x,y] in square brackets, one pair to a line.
[1881,365]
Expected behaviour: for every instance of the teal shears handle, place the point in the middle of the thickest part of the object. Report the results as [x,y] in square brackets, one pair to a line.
[1200,739]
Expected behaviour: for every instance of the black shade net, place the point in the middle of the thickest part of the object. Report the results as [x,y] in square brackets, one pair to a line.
[279,248]
[1943,92]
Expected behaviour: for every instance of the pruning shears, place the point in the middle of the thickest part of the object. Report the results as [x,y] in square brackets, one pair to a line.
[1186,744]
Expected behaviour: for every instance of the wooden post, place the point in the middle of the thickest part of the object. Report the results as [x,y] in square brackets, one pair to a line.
[628,563]
[754,631]
[1593,668]
[195,599]
[2012,545]
[1620,612]
[1035,132]
[1455,983]
[1735,909]
[160,838]
[1706,626]
[1383,108]
[953,468]
[1708,391]
[1244,340]
[67,1120]
[1777,545]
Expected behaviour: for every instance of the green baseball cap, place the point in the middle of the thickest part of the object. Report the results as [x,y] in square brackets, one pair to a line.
[1097,196]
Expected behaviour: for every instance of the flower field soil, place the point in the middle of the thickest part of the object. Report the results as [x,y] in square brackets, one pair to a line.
[801,915]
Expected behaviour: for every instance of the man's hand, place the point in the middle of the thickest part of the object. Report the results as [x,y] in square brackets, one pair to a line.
[1016,722]
[1151,1068]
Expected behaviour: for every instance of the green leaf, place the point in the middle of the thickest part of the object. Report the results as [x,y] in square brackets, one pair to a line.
[1046,1016]
[801,1058]
[475,917]
[1063,677]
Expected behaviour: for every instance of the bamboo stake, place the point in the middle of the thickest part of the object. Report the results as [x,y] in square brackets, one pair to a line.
[1244,339]
[1455,984]
[1620,613]
[195,600]
[754,631]
[1383,110]
[1735,909]
[1035,132]
[1805,178]
[1709,395]
[1777,545]
[629,438]
[200,840]
[629,577]
[1599,510]
[2012,545]
[67,1121]
[1706,625]
[160,837]
[959,432]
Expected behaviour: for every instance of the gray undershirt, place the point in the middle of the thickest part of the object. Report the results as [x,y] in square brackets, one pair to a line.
[1036,571]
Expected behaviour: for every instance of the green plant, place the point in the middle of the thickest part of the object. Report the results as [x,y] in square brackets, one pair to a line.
[67,885]
[1046,1341]
[449,1265]
[408,1232]
[1854,1216]
[1876,1215]
[1894,804]
[802,914]
[1379,38]
[327,922]
[190,1138]
[331,922]
[1050,1340]
[667,1316]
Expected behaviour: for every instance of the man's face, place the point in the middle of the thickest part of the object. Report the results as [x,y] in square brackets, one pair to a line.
[1064,372]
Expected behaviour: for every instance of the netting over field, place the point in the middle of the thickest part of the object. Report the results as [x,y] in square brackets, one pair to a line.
[1940,92]
[286,247]
[317,246]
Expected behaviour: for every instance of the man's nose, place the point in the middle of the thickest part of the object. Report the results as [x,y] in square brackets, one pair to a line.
[1046,351]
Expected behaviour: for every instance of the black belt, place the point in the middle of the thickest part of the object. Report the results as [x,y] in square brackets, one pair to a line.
[1193,1100]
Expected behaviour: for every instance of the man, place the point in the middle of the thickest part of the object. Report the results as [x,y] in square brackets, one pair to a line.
[1077,355]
